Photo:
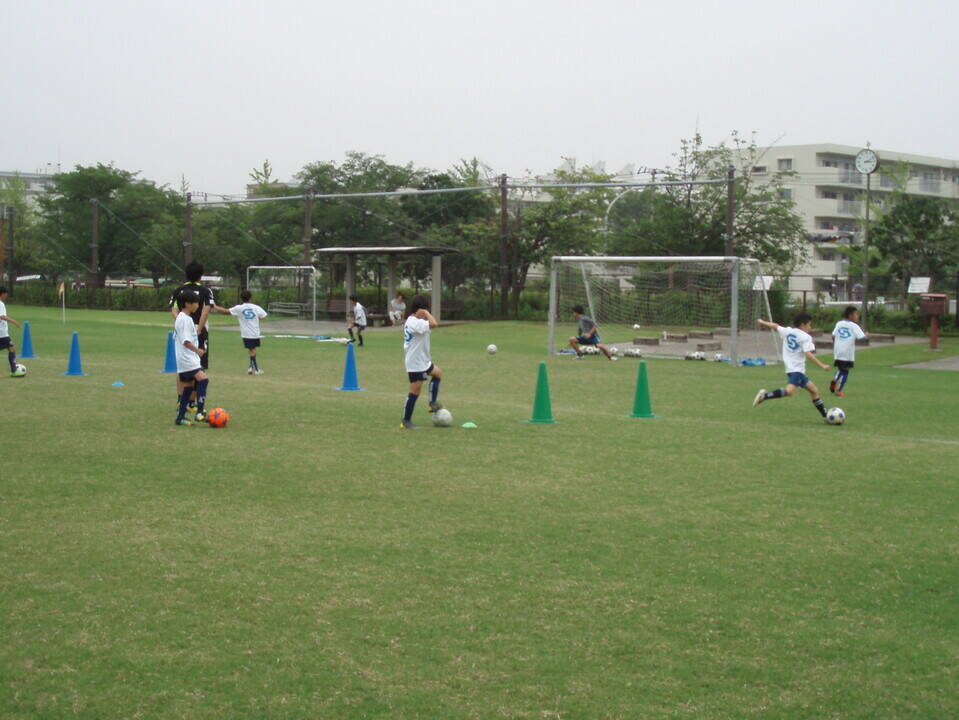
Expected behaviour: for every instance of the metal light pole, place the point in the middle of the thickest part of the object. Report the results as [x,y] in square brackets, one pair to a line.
[865,252]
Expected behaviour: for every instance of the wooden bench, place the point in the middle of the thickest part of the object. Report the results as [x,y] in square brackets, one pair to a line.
[701,334]
[676,337]
[287,308]
[645,341]
[882,337]
[709,346]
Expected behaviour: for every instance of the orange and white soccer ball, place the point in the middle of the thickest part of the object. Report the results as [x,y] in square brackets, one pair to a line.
[218,417]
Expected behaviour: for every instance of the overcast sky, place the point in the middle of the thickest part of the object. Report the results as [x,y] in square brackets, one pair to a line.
[209,89]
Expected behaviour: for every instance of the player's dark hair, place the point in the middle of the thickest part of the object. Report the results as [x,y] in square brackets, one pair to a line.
[186,296]
[354,298]
[419,302]
[401,295]
[848,312]
[578,309]
[194,271]
[3,289]
[801,319]
[246,295]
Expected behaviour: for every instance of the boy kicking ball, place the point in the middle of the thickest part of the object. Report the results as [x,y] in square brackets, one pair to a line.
[797,347]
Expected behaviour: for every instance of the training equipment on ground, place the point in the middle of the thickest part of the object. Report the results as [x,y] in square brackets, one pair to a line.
[21,371]
[218,417]
[835,416]
[636,326]
[718,357]
[542,405]
[710,301]
[614,350]
[351,380]
[442,418]
[491,349]
[74,364]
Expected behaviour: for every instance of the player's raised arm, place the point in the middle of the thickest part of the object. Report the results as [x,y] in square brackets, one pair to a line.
[767,324]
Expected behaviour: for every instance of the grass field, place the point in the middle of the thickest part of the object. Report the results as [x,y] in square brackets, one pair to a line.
[313,561]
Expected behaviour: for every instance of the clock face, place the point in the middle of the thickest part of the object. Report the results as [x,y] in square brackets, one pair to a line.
[867,161]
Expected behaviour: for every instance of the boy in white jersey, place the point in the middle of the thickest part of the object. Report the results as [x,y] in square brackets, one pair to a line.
[797,347]
[5,341]
[249,315]
[419,364]
[845,334]
[358,320]
[190,374]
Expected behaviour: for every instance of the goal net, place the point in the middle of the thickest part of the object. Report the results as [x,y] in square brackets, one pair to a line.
[682,305]
[284,289]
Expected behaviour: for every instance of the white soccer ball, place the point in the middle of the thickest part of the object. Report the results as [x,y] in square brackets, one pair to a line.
[491,349]
[20,371]
[691,355]
[636,326]
[835,416]
[614,350]
[717,357]
[700,355]
[442,418]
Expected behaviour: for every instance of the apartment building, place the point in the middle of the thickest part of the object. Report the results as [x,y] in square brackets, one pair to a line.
[36,183]
[830,193]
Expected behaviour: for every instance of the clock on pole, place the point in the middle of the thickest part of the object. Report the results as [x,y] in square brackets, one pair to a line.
[867,161]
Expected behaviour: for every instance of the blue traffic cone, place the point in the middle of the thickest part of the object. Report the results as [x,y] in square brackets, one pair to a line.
[75,367]
[26,351]
[350,381]
[170,365]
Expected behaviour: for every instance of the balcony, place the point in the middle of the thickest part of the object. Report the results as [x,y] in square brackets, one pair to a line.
[850,177]
[850,207]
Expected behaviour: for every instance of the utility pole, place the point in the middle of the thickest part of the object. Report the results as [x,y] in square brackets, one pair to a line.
[188,232]
[307,246]
[503,249]
[865,260]
[94,244]
[730,202]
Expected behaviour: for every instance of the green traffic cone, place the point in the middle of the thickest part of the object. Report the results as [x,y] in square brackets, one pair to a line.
[642,408]
[542,409]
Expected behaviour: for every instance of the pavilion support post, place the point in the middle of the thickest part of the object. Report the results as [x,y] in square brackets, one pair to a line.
[436,296]
[350,280]
[390,279]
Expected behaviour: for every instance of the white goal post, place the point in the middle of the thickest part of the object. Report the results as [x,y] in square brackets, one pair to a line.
[680,304]
[286,277]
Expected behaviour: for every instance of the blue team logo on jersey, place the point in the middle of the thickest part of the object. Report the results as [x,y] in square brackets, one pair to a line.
[845,333]
[792,342]
[248,314]
[407,336]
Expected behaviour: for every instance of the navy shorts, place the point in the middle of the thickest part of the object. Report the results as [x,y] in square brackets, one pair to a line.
[797,379]
[250,343]
[5,342]
[591,340]
[422,375]
[844,364]
[189,375]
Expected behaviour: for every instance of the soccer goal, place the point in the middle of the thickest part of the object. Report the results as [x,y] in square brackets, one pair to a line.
[682,305]
[284,289]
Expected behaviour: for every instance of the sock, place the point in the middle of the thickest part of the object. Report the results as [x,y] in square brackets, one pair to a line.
[843,376]
[350,331]
[12,357]
[410,404]
[184,401]
[820,406]
[836,378]
[254,363]
[434,390]
[201,394]
[773,394]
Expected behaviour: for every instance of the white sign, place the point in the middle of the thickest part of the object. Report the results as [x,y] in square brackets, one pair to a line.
[763,282]
[919,285]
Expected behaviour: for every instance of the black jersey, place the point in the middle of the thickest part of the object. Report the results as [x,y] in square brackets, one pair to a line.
[206,298]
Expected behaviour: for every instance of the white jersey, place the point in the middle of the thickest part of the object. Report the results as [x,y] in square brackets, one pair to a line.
[796,343]
[249,315]
[184,330]
[416,344]
[846,333]
[359,314]
[4,331]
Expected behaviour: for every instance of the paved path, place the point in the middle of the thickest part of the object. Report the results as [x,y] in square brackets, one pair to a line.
[946,363]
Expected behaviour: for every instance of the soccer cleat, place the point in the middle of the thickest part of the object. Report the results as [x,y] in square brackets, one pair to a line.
[760,396]
[191,407]
[200,417]
[407,425]
[840,393]
[257,372]
[435,406]
[249,371]
[184,422]
[832,386]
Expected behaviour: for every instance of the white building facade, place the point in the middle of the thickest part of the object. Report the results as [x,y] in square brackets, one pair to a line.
[830,196]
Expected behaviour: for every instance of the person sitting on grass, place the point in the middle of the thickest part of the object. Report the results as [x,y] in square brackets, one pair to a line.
[5,341]
[797,347]
[588,334]
[249,315]
[190,375]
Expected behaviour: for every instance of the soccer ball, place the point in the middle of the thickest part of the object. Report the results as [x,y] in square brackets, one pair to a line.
[614,350]
[718,357]
[491,349]
[218,417]
[20,371]
[835,416]
[636,326]
[691,355]
[442,418]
